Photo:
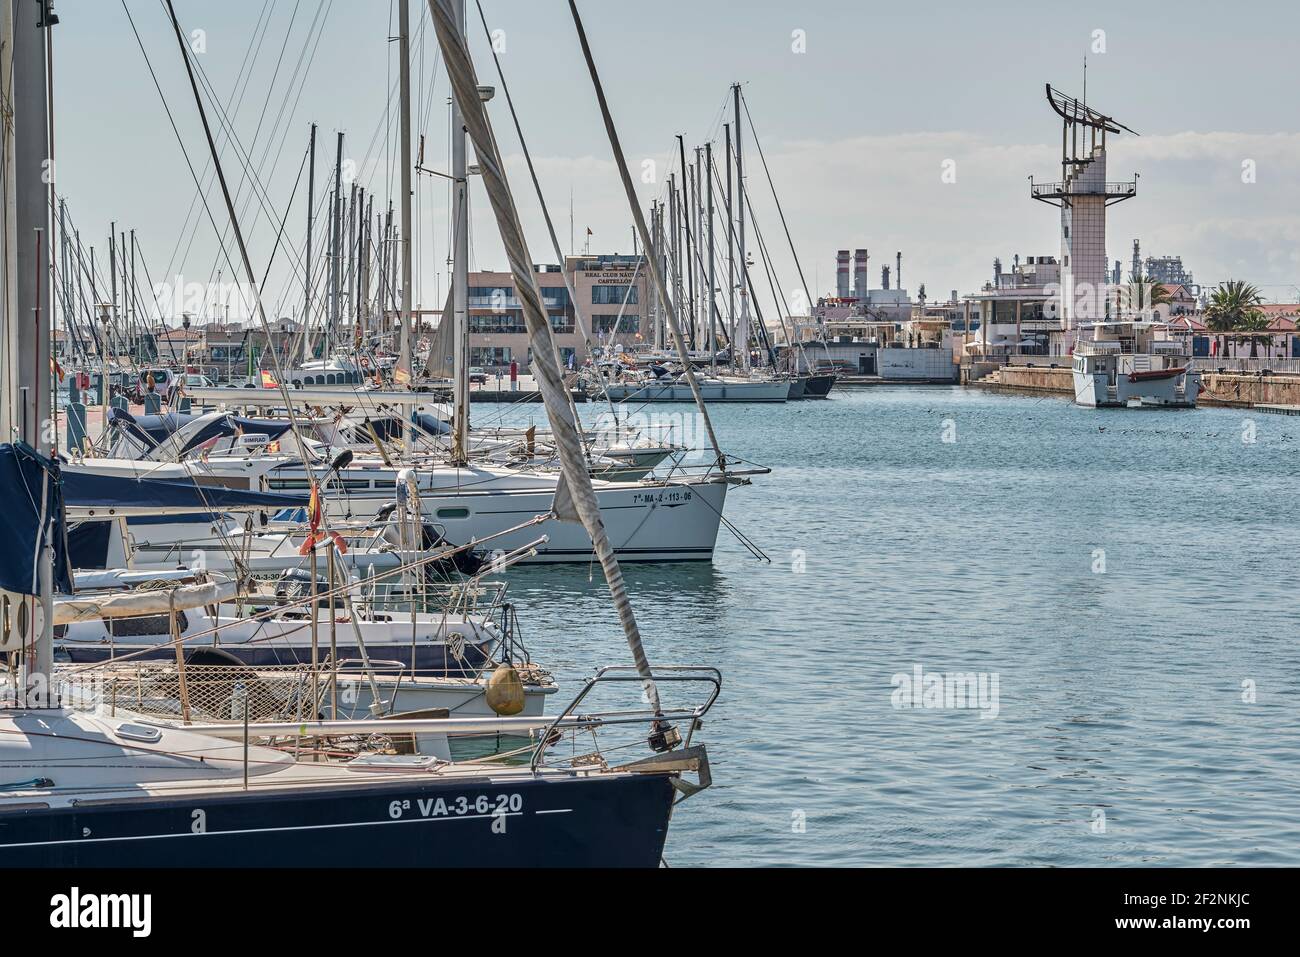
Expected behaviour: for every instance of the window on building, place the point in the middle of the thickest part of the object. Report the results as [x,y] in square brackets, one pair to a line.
[613,295]
[555,297]
[489,357]
[493,297]
[498,323]
[605,323]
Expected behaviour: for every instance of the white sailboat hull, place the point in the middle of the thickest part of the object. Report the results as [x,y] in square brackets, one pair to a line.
[645,523]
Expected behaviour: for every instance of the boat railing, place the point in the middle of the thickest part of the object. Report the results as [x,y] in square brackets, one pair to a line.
[709,467]
[198,692]
[473,597]
[1114,347]
[665,724]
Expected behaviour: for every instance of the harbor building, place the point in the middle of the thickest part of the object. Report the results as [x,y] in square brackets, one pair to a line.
[879,333]
[605,285]
[1017,310]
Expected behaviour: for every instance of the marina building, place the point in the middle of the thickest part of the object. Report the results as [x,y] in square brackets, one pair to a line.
[879,332]
[1017,310]
[612,292]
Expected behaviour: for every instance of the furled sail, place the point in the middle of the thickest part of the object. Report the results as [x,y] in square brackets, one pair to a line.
[575,499]
[31,519]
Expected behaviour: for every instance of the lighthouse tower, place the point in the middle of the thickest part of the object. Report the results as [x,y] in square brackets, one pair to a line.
[1083,195]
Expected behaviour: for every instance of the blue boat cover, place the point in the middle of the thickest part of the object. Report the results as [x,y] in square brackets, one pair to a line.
[431,424]
[153,430]
[89,490]
[33,516]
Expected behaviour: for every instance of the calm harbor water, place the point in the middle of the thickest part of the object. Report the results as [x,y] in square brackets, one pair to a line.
[1127,576]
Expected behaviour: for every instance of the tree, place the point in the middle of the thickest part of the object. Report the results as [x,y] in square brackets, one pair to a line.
[1141,296]
[1254,321]
[1232,307]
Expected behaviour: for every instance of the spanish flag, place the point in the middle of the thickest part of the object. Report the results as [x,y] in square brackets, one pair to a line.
[401,376]
[56,368]
[268,380]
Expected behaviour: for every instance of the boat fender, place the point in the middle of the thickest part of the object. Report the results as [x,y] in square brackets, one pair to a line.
[505,691]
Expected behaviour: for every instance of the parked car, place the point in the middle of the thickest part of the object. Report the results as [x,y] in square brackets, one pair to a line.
[478,376]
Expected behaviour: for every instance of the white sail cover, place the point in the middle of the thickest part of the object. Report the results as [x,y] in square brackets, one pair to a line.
[131,604]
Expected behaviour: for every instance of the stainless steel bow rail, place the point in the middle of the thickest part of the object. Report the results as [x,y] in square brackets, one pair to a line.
[665,736]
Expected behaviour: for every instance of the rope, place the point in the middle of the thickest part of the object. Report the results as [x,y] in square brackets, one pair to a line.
[575,497]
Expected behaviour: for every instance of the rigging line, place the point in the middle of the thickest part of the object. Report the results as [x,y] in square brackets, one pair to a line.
[317,28]
[84,268]
[761,337]
[772,185]
[767,262]
[241,87]
[769,266]
[660,283]
[775,198]
[252,176]
[172,120]
[307,464]
[546,213]
[255,176]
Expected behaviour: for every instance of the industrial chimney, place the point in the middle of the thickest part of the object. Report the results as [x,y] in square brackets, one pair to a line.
[884,277]
[842,274]
[898,271]
[860,274]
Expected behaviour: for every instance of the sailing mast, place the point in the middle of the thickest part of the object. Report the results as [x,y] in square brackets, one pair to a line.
[731,263]
[403,372]
[460,270]
[307,278]
[689,265]
[713,330]
[336,241]
[25,407]
[742,335]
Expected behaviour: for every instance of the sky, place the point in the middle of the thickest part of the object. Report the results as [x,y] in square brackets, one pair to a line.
[860,109]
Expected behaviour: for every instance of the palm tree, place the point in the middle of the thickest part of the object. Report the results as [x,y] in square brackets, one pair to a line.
[1232,304]
[1254,321]
[1144,295]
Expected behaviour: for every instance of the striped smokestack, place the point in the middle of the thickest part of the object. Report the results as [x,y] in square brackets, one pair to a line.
[842,274]
[860,274]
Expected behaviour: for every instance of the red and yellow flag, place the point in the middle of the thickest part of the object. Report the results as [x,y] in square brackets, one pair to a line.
[313,520]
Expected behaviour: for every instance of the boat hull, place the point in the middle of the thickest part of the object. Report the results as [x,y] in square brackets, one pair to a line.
[645,523]
[774,390]
[535,821]
[819,386]
[1176,391]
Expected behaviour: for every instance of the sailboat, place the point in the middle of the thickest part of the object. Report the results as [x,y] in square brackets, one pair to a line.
[85,789]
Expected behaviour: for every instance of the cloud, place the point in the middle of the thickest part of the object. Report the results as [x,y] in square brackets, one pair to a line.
[887,193]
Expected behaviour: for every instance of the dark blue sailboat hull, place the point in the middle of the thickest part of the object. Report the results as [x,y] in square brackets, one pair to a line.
[431,659]
[601,821]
